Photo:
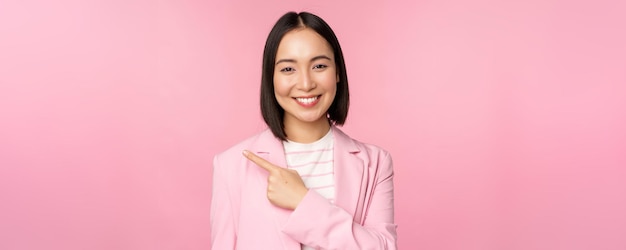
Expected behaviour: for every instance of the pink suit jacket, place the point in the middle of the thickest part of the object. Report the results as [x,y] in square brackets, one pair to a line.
[361,218]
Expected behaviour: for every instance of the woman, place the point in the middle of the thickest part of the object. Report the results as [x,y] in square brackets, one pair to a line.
[303,183]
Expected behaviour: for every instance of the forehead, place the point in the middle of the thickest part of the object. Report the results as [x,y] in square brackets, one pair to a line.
[303,43]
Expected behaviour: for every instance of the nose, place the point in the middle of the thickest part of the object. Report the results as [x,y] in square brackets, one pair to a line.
[306,82]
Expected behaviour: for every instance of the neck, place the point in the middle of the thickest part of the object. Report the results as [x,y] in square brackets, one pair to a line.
[306,132]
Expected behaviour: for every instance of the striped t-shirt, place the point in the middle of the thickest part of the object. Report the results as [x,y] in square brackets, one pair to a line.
[314,164]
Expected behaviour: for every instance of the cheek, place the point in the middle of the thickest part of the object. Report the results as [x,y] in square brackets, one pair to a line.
[328,82]
[281,86]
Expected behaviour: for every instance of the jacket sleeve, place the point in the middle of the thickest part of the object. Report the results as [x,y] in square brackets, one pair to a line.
[316,222]
[223,234]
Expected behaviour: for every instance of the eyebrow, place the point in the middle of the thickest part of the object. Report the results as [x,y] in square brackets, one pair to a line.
[312,59]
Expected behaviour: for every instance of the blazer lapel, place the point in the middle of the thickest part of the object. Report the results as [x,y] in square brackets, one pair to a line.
[349,173]
[271,149]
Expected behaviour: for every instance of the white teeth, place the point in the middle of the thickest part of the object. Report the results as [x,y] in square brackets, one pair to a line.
[306,100]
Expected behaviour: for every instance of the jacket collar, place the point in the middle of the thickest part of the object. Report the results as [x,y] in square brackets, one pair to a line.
[267,143]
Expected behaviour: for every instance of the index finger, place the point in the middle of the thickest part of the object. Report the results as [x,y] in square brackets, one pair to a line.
[260,161]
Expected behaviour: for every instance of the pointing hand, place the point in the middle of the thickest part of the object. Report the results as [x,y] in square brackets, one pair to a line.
[285,187]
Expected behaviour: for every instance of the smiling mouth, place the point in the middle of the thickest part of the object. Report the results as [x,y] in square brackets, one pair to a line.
[307,100]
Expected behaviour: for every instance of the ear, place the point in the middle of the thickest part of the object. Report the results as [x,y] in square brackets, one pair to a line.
[337,78]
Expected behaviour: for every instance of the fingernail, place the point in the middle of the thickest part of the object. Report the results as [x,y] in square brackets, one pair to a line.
[245,152]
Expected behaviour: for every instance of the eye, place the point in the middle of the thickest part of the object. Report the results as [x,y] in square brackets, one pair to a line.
[320,66]
[287,69]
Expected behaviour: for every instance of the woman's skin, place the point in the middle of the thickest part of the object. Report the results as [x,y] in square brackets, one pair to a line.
[305,85]
[305,67]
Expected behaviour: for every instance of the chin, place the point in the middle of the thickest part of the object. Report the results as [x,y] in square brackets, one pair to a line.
[310,119]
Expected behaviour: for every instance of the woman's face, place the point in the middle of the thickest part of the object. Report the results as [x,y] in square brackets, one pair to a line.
[305,76]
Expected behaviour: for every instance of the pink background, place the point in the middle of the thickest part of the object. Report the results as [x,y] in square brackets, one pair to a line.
[506,121]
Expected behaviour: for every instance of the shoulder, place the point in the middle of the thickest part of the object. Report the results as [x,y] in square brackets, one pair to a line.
[234,152]
[369,151]
[376,159]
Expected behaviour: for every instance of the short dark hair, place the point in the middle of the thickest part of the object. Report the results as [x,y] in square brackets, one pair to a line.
[273,113]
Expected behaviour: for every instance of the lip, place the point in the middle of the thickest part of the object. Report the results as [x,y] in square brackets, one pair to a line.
[308,105]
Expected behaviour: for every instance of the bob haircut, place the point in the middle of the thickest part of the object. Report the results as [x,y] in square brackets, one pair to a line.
[273,113]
